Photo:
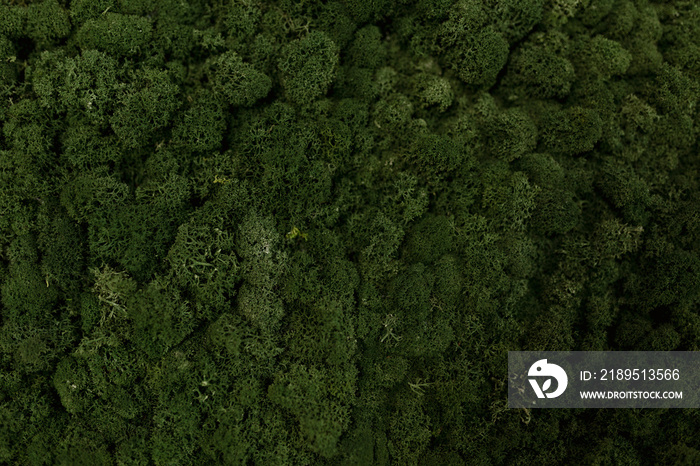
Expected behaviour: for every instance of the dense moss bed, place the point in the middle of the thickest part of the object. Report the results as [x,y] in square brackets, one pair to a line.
[304,232]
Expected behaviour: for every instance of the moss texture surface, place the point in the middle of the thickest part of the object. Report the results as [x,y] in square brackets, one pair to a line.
[304,232]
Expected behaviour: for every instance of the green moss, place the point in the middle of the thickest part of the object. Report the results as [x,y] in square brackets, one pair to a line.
[13,20]
[147,105]
[308,67]
[47,22]
[115,33]
[477,57]
[540,67]
[309,232]
[572,131]
[238,82]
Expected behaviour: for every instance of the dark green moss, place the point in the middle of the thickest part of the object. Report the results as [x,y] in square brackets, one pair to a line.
[309,232]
